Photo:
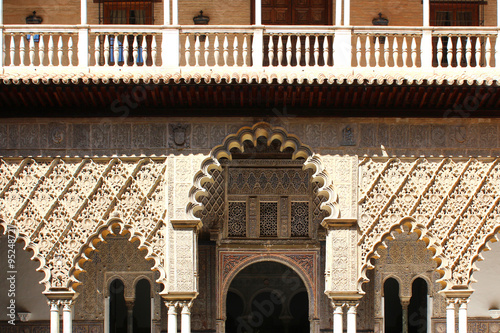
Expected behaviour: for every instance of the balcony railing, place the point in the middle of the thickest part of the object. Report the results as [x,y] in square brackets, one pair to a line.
[107,46]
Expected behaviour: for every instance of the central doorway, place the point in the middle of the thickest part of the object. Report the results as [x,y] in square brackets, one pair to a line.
[267,297]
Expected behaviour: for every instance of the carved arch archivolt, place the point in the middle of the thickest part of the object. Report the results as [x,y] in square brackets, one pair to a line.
[117,227]
[432,244]
[253,134]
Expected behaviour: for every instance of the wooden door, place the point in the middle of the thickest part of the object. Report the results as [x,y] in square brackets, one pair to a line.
[296,12]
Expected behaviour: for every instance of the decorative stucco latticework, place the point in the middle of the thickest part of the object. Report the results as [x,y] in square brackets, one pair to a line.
[61,207]
[453,204]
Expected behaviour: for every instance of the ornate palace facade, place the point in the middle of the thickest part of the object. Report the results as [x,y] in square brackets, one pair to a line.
[293,166]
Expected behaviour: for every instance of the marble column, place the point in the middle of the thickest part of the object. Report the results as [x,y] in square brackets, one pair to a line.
[338,317]
[67,306]
[450,316]
[351,316]
[462,316]
[186,317]
[172,317]
[129,302]
[404,305]
[54,315]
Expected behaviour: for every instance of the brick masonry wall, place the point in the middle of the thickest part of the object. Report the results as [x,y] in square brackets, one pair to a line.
[228,12]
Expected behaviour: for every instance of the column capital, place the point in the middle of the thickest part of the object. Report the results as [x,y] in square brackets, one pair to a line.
[67,304]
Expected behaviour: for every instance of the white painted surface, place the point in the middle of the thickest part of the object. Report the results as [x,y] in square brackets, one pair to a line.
[29,297]
[486,292]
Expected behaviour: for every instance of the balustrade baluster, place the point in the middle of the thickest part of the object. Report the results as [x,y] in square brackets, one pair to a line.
[459,47]
[280,51]
[60,50]
[298,50]
[197,51]
[405,51]
[368,51]
[207,49]
[316,50]
[12,49]
[22,48]
[41,50]
[413,51]
[289,50]
[116,49]
[308,50]
[97,50]
[377,51]
[325,50]
[478,52]
[4,53]
[358,50]
[126,52]
[235,50]
[187,50]
[216,50]
[154,51]
[70,51]
[395,51]
[135,49]
[488,52]
[469,51]
[245,51]
[32,51]
[271,50]
[225,46]
[107,50]
[386,51]
[440,51]
[51,50]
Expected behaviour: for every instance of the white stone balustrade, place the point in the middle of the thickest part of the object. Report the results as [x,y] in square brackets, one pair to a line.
[249,46]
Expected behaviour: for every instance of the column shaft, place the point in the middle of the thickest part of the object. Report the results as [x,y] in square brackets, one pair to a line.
[172,318]
[1,11]
[166,12]
[54,316]
[347,12]
[186,319]
[67,317]
[258,12]
[450,317]
[175,12]
[427,9]
[338,314]
[83,11]
[351,318]
[338,12]
[462,317]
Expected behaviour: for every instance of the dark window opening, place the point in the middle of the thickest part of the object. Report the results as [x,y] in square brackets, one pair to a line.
[452,13]
[126,12]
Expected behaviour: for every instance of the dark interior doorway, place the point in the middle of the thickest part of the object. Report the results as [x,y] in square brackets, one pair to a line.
[267,297]
[417,309]
[393,311]
[142,307]
[117,308]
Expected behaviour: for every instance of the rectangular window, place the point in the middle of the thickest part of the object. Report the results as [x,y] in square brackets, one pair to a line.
[126,12]
[457,13]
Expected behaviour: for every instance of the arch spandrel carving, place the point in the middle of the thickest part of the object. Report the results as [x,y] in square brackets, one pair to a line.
[452,203]
[253,134]
[57,204]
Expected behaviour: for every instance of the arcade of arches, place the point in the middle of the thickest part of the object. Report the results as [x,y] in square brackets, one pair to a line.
[257,229]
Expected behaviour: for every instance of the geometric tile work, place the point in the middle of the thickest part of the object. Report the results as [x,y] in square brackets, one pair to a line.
[453,203]
[60,205]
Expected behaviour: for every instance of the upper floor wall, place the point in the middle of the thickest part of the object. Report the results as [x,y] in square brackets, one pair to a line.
[241,12]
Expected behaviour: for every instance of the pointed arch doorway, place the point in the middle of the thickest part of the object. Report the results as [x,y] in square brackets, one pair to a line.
[266,297]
